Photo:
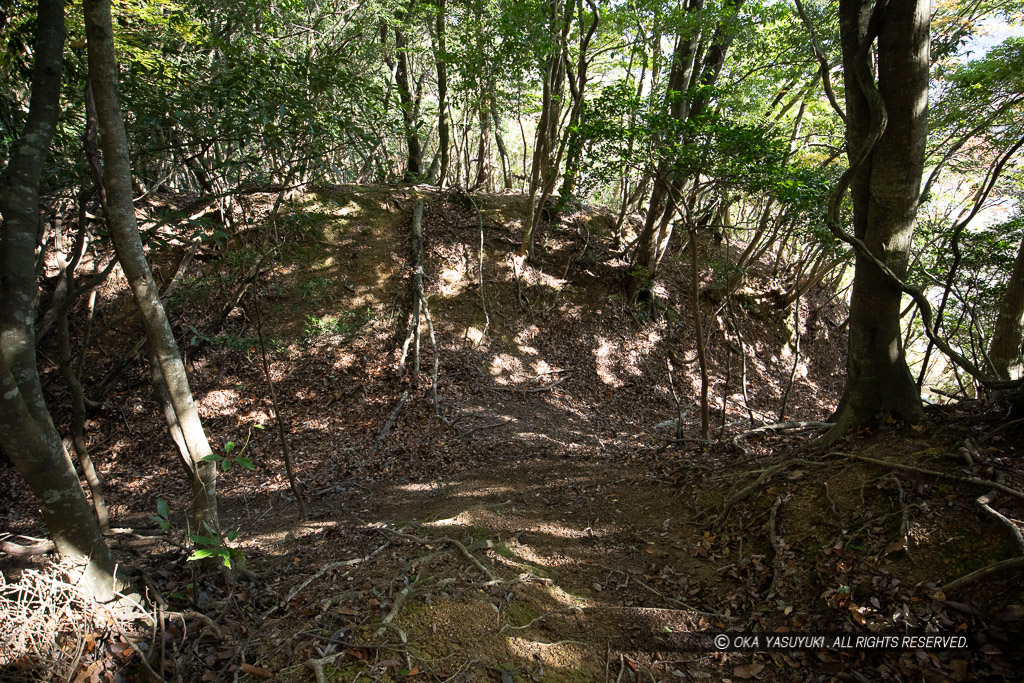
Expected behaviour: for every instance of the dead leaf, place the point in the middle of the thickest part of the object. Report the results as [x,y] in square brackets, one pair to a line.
[748,670]
[258,672]
[895,546]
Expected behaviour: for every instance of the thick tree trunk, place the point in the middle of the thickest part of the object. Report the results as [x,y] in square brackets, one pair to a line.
[1005,348]
[886,187]
[27,433]
[103,76]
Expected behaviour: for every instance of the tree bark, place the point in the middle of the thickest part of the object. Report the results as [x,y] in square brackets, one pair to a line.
[885,185]
[443,128]
[1005,348]
[103,76]
[27,433]
[407,100]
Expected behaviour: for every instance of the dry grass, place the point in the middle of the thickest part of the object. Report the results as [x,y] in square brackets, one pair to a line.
[46,625]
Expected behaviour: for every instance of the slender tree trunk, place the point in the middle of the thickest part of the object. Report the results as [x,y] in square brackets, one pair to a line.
[483,175]
[407,99]
[27,433]
[103,75]
[1005,348]
[886,187]
[443,128]
[502,151]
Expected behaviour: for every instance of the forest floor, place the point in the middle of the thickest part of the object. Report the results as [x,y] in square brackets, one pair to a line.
[552,517]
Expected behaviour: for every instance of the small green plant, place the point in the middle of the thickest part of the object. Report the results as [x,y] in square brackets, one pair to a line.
[227,460]
[318,289]
[345,323]
[215,546]
[162,516]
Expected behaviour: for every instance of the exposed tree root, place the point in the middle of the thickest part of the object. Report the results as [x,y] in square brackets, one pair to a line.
[765,475]
[998,567]
[935,473]
[781,426]
[983,502]
[442,540]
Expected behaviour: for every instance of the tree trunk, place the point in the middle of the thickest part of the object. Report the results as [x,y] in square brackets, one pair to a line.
[1005,348]
[27,433]
[442,95]
[403,80]
[103,75]
[885,187]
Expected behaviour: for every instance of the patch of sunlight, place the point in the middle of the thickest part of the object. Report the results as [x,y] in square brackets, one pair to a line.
[541,367]
[484,492]
[475,335]
[348,209]
[559,530]
[344,361]
[532,276]
[567,599]
[461,519]
[559,655]
[530,350]
[525,557]
[415,488]
[505,364]
[526,334]
[654,337]
[221,400]
[452,281]
[604,355]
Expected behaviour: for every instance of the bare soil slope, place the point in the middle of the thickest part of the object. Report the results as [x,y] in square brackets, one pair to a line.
[545,520]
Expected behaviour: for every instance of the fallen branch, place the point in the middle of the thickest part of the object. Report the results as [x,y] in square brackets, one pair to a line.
[935,473]
[43,548]
[984,501]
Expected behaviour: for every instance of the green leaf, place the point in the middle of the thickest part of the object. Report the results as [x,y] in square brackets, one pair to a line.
[245,462]
[229,446]
[232,535]
[203,553]
[213,457]
[204,540]
[162,508]
[258,427]
[225,464]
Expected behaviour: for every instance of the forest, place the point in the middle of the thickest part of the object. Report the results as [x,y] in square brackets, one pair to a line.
[511,340]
